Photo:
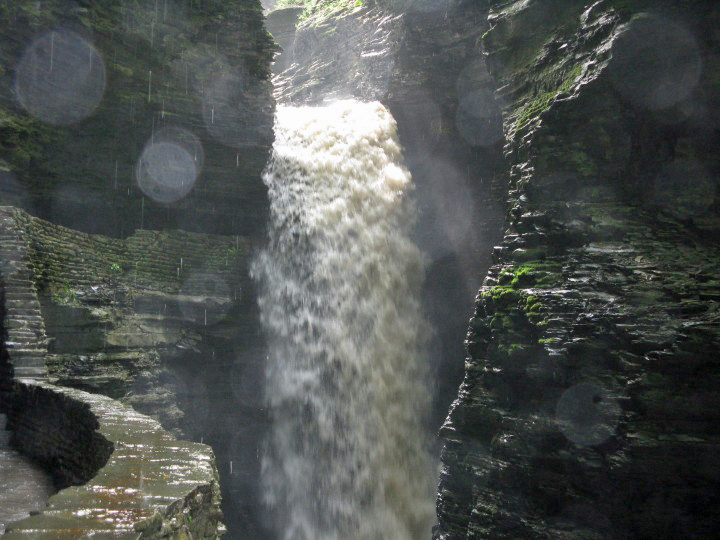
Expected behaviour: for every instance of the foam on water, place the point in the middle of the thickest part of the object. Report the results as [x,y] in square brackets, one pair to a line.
[347,378]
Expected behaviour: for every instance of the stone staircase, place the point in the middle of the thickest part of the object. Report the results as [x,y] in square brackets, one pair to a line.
[26,341]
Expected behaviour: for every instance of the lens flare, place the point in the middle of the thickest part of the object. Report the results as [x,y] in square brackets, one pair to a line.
[60,78]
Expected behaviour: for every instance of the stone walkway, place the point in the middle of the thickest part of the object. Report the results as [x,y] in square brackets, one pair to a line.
[152,484]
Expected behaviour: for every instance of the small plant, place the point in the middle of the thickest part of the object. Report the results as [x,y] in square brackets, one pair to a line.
[67,295]
[115,268]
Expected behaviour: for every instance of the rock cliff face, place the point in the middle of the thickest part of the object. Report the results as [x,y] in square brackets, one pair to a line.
[589,405]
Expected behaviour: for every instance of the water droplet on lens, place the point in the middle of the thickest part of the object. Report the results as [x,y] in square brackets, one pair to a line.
[168,166]
[685,188]
[478,120]
[656,62]
[587,414]
[60,78]
[204,298]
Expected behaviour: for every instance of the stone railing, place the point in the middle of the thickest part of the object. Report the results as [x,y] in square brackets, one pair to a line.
[137,480]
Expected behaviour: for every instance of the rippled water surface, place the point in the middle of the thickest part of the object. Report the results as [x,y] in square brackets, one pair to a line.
[24,487]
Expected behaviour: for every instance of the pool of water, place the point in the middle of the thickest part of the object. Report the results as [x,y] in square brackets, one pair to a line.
[24,487]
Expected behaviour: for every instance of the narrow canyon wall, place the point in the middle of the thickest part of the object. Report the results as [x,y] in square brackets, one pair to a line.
[589,407]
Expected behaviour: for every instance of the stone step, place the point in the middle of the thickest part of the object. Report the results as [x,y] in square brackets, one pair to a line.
[30,372]
[18,318]
[26,353]
[38,348]
[34,326]
[12,256]
[28,362]
[17,276]
[21,333]
[20,295]
[18,344]
[16,312]
[21,303]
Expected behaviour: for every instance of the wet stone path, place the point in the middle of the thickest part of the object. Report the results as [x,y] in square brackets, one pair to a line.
[24,487]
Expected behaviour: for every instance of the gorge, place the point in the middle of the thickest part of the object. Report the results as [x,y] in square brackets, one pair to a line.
[240,243]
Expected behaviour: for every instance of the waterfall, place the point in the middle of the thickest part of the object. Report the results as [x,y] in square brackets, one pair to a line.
[347,378]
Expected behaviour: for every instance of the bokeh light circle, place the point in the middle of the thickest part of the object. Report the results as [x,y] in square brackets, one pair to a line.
[230,108]
[656,62]
[478,120]
[13,191]
[60,78]
[169,165]
[248,378]
[473,77]
[429,6]
[685,188]
[587,414]
[245,452]
[422,119]
[450,212]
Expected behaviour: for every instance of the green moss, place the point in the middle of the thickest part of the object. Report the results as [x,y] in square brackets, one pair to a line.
[538,274]
[541,102]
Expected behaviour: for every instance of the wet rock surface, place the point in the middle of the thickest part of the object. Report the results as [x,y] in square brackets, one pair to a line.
[589,405]
[140,480]
[24,487]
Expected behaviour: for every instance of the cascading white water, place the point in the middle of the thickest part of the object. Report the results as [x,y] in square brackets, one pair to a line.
[347,384]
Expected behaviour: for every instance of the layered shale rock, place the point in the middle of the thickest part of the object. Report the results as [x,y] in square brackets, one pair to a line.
[589,407]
